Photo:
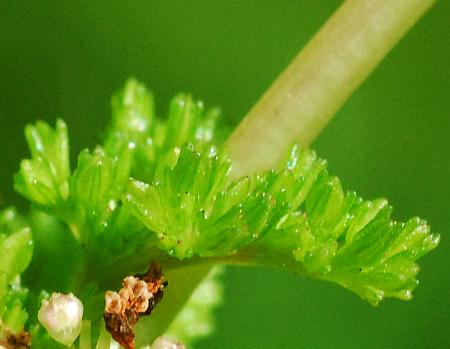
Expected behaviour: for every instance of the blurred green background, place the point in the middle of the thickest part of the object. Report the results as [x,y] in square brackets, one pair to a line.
[66,58]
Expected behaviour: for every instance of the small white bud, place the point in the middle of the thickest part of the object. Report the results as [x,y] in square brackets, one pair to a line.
[61,316]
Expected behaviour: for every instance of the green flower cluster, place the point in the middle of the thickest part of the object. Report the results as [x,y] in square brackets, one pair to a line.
[161,190]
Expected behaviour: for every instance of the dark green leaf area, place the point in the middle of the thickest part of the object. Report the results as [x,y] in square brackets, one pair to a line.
[12,297]
[56,255]
[16,249]
[11,221]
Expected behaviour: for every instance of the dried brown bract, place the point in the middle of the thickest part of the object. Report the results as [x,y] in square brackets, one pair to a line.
[137,297]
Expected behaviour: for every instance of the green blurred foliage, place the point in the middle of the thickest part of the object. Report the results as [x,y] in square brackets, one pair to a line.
[65,59]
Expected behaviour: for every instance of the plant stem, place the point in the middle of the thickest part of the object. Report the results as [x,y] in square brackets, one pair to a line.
[320,79]
[182,283]
[85,335]
[301,102]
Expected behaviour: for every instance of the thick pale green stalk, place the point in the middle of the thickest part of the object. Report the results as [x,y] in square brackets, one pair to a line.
[301,102]
[320,79]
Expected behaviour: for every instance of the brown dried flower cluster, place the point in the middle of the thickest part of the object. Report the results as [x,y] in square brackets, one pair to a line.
[137,297]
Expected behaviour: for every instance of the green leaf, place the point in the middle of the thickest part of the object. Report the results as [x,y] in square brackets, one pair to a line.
[99,179]
[356,244]
[16,251]
[43,179]
[132,109]
[16,248]
[132,117]
[298,212]
[187,122]
[134,126]
[194,211]
[15,316]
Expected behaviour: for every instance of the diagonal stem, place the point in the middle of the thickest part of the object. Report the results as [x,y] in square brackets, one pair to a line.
[320,79]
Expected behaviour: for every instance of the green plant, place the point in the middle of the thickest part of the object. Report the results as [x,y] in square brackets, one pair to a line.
[162,190]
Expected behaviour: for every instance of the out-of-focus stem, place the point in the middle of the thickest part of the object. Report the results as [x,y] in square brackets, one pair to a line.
[182,283]
[320,79]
